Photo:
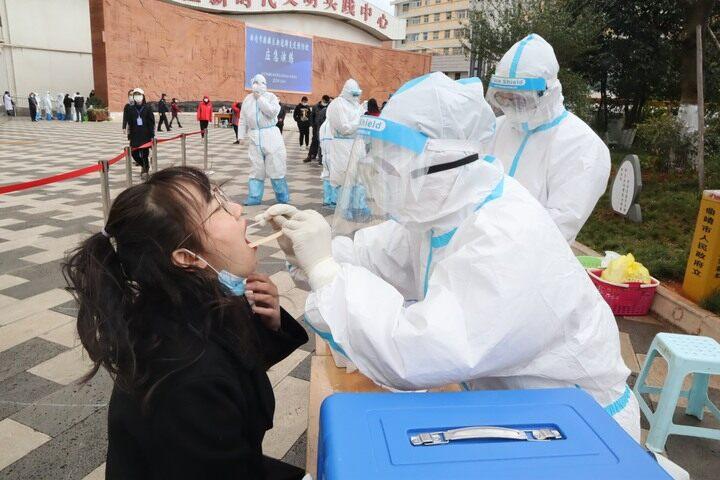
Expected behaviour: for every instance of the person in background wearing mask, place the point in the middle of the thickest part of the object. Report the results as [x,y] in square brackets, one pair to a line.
[446,289]
[301,115]
[258,120]
[204,114]
[59,107]
[140,129]
[550,151]
[174,110]
[33,107]
[8,104]
[317,118]
[236,109]
[343,119]
[281,117]
[79,103]
[163,110]
[372,108]
[68,104]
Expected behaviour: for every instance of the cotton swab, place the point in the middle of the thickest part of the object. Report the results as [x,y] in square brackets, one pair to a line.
[267,239]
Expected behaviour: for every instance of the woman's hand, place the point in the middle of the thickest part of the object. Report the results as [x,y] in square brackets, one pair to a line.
[266,299]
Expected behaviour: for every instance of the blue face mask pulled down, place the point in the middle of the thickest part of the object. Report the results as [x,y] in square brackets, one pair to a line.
[234,284]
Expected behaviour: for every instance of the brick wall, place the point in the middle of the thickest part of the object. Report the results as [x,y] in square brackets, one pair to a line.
[185,53]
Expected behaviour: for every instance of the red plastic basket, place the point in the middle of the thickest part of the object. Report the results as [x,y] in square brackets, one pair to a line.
[627,299]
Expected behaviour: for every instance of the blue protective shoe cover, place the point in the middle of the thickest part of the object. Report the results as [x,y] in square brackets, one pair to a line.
[282,192]
[329,194]
[256,189]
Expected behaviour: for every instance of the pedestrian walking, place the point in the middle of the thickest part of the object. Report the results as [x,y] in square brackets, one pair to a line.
[302,115]
[204,114]
[79,104]
[281,118]
[174,110]
[236,109]
[163,110]
[317,117]
[33,106]
[140,129]
[9,104]
[68,104]
[59,107]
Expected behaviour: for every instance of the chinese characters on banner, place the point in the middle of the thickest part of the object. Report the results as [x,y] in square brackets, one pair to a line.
[284,59]
[702,274]
[359,10]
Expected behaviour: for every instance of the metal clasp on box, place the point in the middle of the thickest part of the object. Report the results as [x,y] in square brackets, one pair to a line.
[484,432]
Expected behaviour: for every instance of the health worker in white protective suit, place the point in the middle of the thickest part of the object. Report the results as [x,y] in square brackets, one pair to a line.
[59,107]
[342,119]
[258,118]
[460,276]
[46,106]
[549,150]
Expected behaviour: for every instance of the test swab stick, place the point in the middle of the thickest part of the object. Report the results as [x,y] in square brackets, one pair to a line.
[267,239]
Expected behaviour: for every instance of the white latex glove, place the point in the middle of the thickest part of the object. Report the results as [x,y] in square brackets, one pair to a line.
[277,216]
[309,233]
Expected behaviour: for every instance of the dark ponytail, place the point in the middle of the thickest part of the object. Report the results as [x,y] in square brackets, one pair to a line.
[103,294]
[140,316]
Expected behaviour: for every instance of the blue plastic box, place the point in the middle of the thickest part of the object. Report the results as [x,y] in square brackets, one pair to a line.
[367,436]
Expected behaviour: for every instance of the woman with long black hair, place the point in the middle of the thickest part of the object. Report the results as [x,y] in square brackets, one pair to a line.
[171,306]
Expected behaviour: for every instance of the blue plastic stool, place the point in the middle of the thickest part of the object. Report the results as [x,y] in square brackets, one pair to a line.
[685,354]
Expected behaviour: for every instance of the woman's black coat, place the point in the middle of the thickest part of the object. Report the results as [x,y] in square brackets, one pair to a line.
[206,421]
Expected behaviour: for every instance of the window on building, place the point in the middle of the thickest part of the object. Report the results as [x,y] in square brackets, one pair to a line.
[426,18]
[448,15]
[457,75]
[436,17]
[459,33]
[457,51]
[425,35]
[413,20]
[412,37]
[446,51]
[405,7]
[447,33]
[462,13]
[436,35]
[437,1]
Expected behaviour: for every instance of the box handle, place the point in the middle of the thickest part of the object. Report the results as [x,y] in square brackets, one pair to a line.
[484,432]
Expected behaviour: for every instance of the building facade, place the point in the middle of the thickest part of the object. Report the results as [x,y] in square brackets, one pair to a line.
[201,49]
[435,27]
[45,46]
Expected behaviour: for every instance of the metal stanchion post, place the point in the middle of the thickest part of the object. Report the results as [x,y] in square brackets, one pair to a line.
[183,156]
[105,187]
[128,167]
[205,150]
[153,159]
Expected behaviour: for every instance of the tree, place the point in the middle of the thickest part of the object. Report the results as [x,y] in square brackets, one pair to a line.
[572,29]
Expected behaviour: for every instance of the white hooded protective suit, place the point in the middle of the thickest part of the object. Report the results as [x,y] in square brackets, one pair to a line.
[550,151]
[267,153]
[46,104]
[258,119]
[472,282]
[342,119]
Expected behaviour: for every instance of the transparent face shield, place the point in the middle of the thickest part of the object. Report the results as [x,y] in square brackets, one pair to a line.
[397,173]
[520,99]
[379,178]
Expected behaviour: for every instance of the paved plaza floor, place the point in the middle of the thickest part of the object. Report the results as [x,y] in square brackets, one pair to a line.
[51,427]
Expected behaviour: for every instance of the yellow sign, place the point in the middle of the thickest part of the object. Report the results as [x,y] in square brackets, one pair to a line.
[702,274]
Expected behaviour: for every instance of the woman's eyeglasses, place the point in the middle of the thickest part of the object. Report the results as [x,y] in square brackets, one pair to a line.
[223,203]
